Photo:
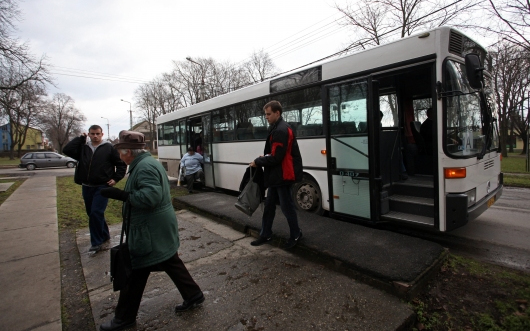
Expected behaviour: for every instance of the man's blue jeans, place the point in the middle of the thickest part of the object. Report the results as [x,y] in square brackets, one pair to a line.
[282,194]
[95,205]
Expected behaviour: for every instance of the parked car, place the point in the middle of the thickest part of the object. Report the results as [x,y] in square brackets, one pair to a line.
[34,160]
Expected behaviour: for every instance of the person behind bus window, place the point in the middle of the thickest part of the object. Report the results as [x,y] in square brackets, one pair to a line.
[192,161]
[283,167]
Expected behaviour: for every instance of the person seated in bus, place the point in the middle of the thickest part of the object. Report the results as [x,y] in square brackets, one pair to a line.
[426,132]
[192,162]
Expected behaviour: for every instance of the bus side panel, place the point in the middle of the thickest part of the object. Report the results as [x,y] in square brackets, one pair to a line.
[237,157]
[311,150]
[315,165]
[170,155]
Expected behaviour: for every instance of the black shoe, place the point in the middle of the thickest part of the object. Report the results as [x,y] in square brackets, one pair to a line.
[194,302]
[116,324]
[260,241]
[292,242]
[404,176]
[190,192]
[95,249]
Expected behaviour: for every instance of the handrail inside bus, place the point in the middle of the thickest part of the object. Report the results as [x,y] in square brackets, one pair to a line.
[355,149]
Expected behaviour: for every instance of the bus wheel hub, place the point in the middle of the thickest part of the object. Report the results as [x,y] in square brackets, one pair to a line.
[306,197]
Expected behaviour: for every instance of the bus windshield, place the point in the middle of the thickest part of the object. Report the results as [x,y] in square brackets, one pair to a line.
[463,127]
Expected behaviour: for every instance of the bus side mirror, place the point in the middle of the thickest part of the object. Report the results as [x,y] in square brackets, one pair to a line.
[474,71]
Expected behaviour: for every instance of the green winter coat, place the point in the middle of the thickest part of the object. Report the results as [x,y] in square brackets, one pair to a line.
[153,234]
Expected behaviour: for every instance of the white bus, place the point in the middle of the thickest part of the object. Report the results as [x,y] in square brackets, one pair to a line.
[352,159]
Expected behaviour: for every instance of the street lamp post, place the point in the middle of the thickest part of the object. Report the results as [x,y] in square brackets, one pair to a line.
[108,128]
[130,111]
[202,77]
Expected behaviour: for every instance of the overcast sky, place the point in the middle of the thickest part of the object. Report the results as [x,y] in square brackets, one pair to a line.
[125,43]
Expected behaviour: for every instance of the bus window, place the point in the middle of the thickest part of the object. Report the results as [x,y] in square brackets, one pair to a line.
[303,111]
[223,124]
[169,133]
[249,115]
[420,109]
[388,105]
[348,112]
[160,128]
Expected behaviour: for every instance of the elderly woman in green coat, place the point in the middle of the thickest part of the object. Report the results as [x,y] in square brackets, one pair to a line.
[153,234]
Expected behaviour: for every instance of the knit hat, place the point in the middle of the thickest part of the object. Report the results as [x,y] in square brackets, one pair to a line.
[130,140]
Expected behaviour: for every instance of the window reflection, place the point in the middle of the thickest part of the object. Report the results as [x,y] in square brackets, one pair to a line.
[463,118]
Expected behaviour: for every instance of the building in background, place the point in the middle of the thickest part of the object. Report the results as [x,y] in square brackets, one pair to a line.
[32,140]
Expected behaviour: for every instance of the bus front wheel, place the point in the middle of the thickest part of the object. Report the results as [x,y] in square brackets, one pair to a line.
[307,196]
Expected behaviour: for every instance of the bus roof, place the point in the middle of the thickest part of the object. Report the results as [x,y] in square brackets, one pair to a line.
[416,46]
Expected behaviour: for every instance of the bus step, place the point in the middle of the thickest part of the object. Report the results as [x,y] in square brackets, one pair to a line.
[415,190]
[412,205]
[409,218]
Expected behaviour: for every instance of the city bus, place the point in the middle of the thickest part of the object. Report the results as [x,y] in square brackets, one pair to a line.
[358,121]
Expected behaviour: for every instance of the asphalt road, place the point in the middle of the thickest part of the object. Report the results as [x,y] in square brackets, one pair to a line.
[501,235]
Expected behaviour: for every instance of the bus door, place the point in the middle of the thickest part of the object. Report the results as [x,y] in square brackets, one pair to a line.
[207,150]
[200,140]
[350,142]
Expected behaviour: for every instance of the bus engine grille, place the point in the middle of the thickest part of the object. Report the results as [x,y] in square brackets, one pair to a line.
[489,164]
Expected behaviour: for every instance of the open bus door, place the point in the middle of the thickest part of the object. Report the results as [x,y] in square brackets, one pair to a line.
[199,139]
[352,140]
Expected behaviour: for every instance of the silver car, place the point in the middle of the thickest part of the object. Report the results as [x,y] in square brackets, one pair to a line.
[34,160]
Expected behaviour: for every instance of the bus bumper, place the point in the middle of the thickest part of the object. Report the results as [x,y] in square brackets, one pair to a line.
[457,211]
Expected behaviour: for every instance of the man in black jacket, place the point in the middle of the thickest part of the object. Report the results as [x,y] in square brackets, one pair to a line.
[98,166]
[283,167]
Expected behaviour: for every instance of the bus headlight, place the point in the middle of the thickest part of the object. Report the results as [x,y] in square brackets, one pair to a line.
[471,197]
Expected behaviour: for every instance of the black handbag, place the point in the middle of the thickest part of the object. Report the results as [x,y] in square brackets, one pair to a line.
[250,198]
[120,260]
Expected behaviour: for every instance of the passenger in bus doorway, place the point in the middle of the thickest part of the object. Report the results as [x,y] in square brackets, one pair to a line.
[192,161]
[282,164]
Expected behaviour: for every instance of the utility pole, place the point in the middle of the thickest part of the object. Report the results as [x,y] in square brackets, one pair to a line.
[130,111]
[108,128]
[202,77]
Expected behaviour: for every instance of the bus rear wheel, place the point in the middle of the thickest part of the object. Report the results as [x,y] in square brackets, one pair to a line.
[307,196]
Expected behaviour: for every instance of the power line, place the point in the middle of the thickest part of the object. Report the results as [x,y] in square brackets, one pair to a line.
[352,44]
[101,78]
[95,72]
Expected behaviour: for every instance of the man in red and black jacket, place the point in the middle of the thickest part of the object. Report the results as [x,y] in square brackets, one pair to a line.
[283,167]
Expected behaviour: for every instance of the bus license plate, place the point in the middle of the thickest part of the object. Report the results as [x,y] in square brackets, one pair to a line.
[491,201]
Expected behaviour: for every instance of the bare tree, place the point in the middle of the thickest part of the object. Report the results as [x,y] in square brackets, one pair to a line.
[17,65]
[153,100]
[511,72]
[62,120]
[196,80]
[260,67]
[376,22]
[21,108]
[513,21]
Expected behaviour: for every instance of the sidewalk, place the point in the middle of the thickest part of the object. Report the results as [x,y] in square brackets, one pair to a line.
[237,278]
[393,262]
[30,275]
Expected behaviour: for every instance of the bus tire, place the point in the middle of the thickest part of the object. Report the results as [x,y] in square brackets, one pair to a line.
[307,196]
